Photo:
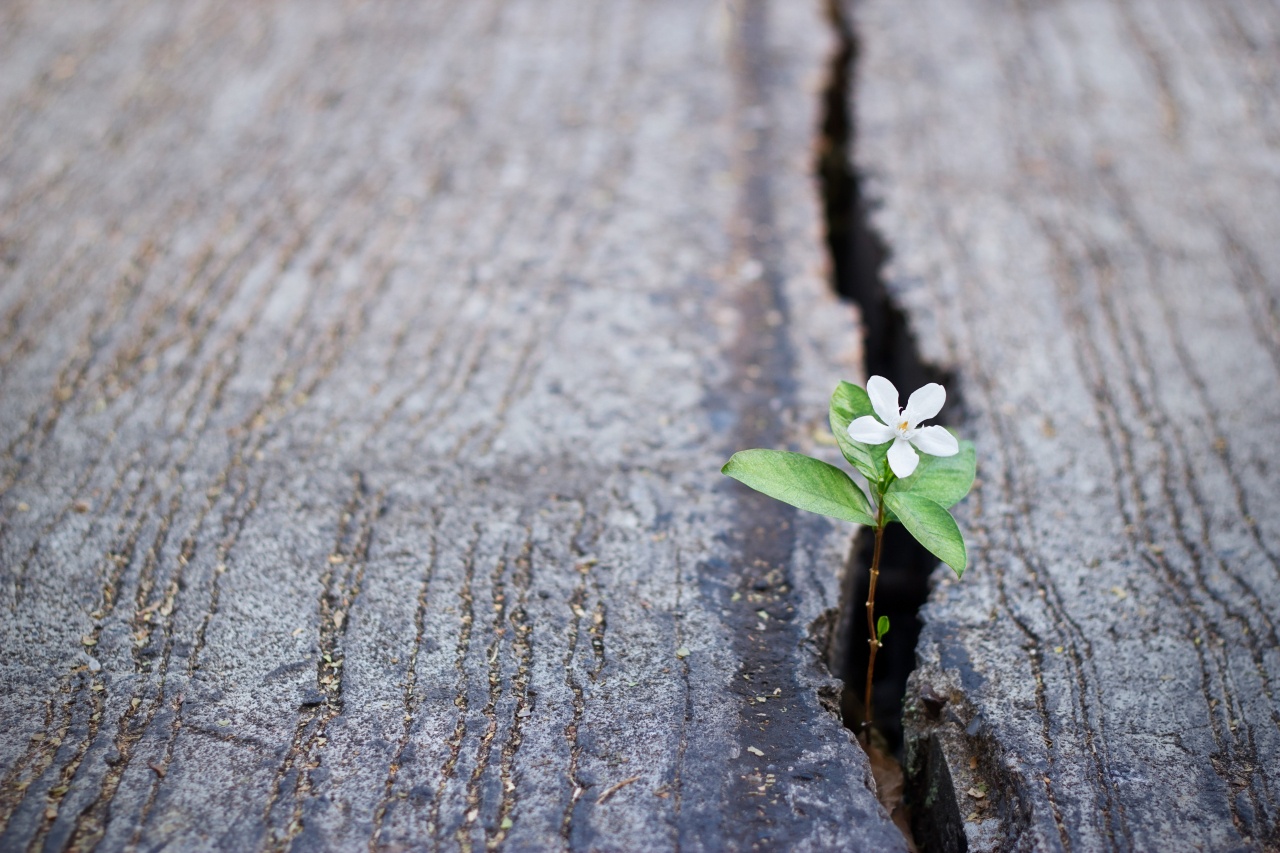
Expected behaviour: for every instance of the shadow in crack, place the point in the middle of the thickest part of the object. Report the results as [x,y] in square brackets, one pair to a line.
[858,255]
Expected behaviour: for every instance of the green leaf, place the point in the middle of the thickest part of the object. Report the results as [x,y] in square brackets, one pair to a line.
[931,525]
[882,627]
[801,481]
[942,479]
[848,403]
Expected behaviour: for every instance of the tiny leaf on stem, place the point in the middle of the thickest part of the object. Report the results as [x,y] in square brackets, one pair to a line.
[801,481]
[882,627]
[931,525]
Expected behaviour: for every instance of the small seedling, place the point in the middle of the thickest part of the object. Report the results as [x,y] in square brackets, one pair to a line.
[913,475]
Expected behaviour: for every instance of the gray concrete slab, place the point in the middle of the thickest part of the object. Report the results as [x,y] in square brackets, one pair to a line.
[1081,199]
[365,377]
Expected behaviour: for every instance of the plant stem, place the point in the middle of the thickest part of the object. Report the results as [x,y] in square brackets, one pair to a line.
[871,614]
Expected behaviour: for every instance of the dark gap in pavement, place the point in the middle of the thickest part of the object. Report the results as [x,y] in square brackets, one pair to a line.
[858,255]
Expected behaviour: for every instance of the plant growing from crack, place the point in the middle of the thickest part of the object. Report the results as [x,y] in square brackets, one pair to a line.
[913,488]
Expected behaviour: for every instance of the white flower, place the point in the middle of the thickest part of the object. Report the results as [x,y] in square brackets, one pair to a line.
[899,426]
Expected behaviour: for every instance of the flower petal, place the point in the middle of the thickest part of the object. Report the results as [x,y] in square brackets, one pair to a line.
[868,430]
[884,399]
[935,441]
[925,403]
[902,458]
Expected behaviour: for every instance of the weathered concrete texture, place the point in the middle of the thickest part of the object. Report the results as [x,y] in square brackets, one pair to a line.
[365,376]
[1081,198]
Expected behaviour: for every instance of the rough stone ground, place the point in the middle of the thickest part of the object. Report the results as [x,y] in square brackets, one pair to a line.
[365,374]
[1081,199]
